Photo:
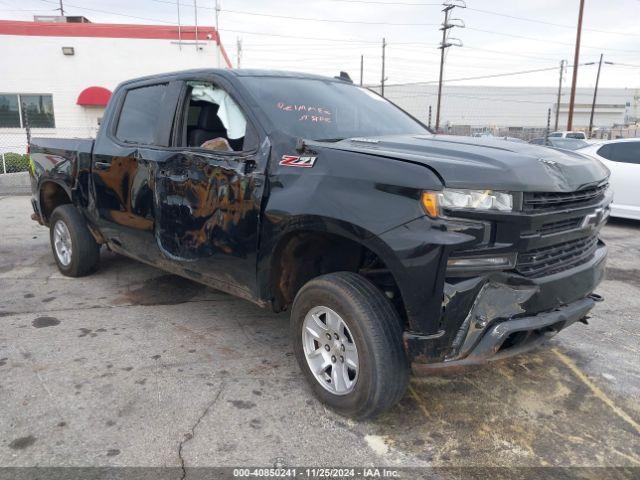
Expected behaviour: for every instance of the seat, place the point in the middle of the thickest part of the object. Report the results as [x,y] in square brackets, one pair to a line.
[209,126]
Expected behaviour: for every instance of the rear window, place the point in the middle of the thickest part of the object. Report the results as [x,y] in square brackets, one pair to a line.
[568,143]
[578,135]
[140,114]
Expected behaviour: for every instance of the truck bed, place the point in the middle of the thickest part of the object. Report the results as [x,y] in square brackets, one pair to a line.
[63,161]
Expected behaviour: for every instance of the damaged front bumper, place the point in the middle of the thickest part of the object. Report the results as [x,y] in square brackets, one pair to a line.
[503,314]
[515,336]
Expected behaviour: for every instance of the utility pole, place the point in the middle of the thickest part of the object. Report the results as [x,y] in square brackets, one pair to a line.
[361,68]
[239,49]
[179,26]
[384,46]
[218,34]
[61,9]
[446,26]
[576,60]
[559,95]
[595,94]
[195,13]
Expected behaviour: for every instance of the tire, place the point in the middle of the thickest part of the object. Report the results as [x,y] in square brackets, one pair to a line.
[84,254]
[372,325]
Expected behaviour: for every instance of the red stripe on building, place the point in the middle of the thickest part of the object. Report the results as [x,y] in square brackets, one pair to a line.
[104,30]
[110,30]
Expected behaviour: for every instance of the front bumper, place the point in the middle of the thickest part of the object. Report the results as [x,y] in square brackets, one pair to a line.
[504,314]
[512,337]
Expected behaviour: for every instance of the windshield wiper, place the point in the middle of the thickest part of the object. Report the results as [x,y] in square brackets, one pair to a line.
[328,139]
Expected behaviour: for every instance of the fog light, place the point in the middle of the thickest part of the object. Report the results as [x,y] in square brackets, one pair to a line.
[497,262]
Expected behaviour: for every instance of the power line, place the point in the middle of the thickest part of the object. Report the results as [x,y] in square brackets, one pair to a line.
[616,64]
[109,12]
[326,39]
[461,95]
[388,3]
[494,75]
[488,12]
[227,30]
[360,22]
[297,37]
[513,35]
[543,22]
[240,12]
[112,13]
[509,54]
[374,23]
[27,9]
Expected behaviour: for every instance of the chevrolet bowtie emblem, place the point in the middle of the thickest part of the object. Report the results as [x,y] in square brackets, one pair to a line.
[547,161]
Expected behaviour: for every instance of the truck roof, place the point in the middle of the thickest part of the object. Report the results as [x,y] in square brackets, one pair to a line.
[232,73]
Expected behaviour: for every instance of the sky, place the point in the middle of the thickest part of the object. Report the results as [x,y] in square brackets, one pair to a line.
[326,36]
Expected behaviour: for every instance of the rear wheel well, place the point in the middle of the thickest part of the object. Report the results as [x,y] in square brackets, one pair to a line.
[304,255]
[52,196]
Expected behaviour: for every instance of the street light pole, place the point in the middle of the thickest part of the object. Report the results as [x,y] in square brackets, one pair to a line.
[576,60]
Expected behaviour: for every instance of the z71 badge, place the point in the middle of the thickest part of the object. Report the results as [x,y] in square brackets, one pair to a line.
[296,161]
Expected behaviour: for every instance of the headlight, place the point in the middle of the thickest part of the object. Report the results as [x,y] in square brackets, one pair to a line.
[434,202]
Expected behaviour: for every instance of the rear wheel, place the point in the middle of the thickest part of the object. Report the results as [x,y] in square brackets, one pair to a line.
[75,250]
[348,343]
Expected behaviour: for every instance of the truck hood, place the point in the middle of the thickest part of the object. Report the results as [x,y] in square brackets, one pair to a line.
[467,162]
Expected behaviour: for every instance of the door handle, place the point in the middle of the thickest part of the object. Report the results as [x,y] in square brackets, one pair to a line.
[102,165]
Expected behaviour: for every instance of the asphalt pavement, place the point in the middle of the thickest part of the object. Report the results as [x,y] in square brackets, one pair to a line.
[135,367]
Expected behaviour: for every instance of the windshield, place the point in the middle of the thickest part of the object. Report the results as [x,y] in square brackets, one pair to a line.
[568,143]
[328,110]
[579,135]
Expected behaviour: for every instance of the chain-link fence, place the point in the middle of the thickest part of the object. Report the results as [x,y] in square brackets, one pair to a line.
[613,133]
[13,152]
[14,141]
[15,161]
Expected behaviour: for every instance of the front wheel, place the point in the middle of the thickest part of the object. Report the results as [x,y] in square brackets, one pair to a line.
[348,342]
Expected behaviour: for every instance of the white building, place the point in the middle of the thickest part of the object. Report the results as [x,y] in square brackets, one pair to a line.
[515,108]
[58,74]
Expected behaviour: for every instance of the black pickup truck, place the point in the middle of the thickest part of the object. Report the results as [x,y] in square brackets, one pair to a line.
[393,248]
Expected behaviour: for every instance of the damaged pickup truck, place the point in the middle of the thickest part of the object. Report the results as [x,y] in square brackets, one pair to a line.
[393,248]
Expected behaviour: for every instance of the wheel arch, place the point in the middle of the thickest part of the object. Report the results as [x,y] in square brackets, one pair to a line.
[52,194]
[312,246]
